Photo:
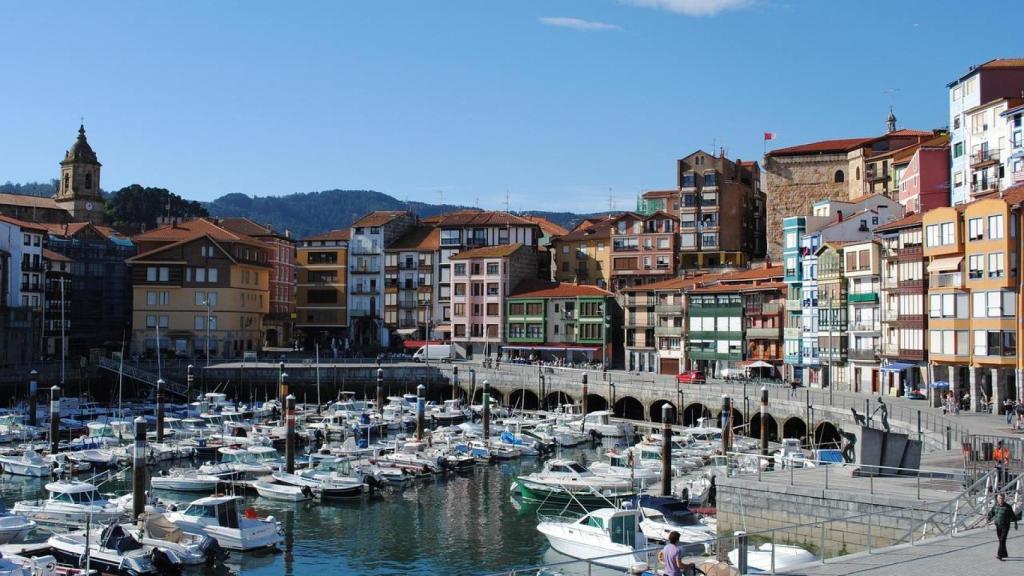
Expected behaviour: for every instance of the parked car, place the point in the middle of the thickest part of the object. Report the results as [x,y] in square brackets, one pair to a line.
[917,394]
[691,377]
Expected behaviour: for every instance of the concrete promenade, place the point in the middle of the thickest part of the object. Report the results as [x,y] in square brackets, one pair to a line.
[972,552]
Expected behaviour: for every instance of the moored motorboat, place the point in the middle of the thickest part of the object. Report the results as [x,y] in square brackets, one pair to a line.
[14,528]
[28,464]
[112,551]
[219,518]
[283,492]
[156,531]
[69,502]
[607,536]
[185,480]
[567,481]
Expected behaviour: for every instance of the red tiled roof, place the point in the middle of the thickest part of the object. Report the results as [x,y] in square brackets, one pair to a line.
[909,132]
[991,64]
[905,222]
[378,218]
[483,218]
[194,228]
[671,284]
[23,223]
[660,193]
[245,226]
[31,201]
[749,287]
[331,235]
[753,274]
[589,230]
[499,251]
[547,226]
[821,147]
[54,256]
[418,238]
[542,289]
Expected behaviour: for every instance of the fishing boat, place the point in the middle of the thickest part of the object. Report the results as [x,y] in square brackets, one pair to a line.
[28,464]
[112,551]
[283,492]
[156,531]
[218,518]
[185,480]
[69,502]
[14,528]
[568,481]
[607,536]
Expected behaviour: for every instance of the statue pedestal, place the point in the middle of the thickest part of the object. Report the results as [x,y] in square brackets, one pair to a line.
[883,453]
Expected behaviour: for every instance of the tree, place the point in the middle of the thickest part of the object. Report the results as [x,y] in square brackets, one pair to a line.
[136,208]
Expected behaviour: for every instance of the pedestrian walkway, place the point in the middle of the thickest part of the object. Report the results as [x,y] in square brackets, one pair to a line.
[972,552]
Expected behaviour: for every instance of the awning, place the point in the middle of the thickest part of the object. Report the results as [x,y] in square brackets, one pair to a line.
[554,348]
[945,264]
[897,366]
[940,384]
[407,331]
[443,328]
[417,344]
[760,364]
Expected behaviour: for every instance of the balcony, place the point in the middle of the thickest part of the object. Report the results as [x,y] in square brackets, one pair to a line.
[915,354]
[363,248]
[835,356]
[668,330]
[408,323]
[890,350]
[984,157]
[638,301]
[28,266]
[770,309]
[762,333]
[862,298]
[639,324]
[31,287]
[362,289]
[872,174]
[984,187]
[890,315]
[361,312]
[862,355]
[364,269]
[793,305]
[697,310]
[668,309]
[946,280]
[864,327]
[792,333]
[407,302]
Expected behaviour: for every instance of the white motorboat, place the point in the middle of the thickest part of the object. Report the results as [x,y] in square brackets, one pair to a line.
[625,464]
[13,565]
[607,536]
[218,518]
[568,481]
[111,551]
[69,502]
[14,528]
[661,515]
[283,492]
[267,456]
[792,455]
[185,480]
[28,464]
[95,457]
[761,558]
[449,412]
[243,462]
[156,531]
[600,422]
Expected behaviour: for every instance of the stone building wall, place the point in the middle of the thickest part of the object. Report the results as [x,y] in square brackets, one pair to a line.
[794,184]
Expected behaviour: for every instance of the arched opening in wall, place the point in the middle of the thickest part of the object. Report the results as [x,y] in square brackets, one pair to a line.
[693,412]
[656,407]
[795,427]
[478,396]
[737,424]
[755,427]
[826,435]
[523,400]
[596,402]
[556,399]
[440,392]
[840,176]
[629,407]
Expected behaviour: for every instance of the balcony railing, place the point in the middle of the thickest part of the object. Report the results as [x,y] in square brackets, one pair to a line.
[890,315]
[793,304]
[671,309]
[408,323]
[29,287]
[862,355]
[862,297]
[770,309]
[891,350]
[984,157]
[946,280]
[364,269]
[864,327]
[668,330]
[762,333]
[361,312]
[792,333]
[639,323]
[363,248]
[28,266]
[360,289]
[984,187]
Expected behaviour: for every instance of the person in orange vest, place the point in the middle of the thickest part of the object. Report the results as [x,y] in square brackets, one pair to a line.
[1002,457]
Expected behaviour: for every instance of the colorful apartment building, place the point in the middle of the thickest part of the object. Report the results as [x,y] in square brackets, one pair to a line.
[321,301]
[199,290]
[558,321]
[862,268]
[583,254]
[904,288]
[481,280]
[411,265]
[643,248]
[924,183]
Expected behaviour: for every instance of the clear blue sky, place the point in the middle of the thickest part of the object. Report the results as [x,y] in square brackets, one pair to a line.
[554,101]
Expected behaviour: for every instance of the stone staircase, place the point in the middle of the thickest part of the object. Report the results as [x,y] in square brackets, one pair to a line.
[144,376]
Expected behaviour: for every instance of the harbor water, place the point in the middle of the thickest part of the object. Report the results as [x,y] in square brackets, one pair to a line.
[451,524]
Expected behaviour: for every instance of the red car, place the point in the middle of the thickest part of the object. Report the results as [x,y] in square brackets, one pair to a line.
[691,377]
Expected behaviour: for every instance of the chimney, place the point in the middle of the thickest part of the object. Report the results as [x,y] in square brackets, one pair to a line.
[839,215]
[721,152]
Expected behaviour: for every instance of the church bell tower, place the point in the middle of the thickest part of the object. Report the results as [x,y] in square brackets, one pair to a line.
[78,191]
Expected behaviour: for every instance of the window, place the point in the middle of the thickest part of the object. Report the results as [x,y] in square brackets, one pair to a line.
[200,322]
[974,229]
[995,265]
[958,149]
[946,229]
[709,179]
[492,268]
[151,272]
[976,266]
[151,298]
[150,321]
[839,176]
[460,269]
[492,288]
[492,309]
[995,227]
[164,321]
[932,234]
[200,275]
[460,309]
[211,276]
[460,289]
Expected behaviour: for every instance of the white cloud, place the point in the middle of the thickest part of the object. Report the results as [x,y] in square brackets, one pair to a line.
[692,7]
[576,23]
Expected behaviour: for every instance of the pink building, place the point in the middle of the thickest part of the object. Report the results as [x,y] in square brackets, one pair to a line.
[482,279]
[925,183]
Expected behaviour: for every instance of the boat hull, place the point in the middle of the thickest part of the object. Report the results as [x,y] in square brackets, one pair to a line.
[611,555]
[534,492]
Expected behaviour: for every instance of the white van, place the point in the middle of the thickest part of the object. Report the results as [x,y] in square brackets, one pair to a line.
[433,353]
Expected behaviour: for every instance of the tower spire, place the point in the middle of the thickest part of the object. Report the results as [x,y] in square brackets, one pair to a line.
[890,122]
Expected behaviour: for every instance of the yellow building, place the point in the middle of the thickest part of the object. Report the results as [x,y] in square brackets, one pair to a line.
[321,306]
[197,290]
[973,297]
[583,256]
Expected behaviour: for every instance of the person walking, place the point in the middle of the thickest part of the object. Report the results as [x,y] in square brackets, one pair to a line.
[1008,407]
[1002,514]
[792,389]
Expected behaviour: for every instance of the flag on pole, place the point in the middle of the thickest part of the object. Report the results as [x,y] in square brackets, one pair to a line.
[769,136]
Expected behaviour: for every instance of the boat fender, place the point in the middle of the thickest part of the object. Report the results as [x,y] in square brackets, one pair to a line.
[250,513]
